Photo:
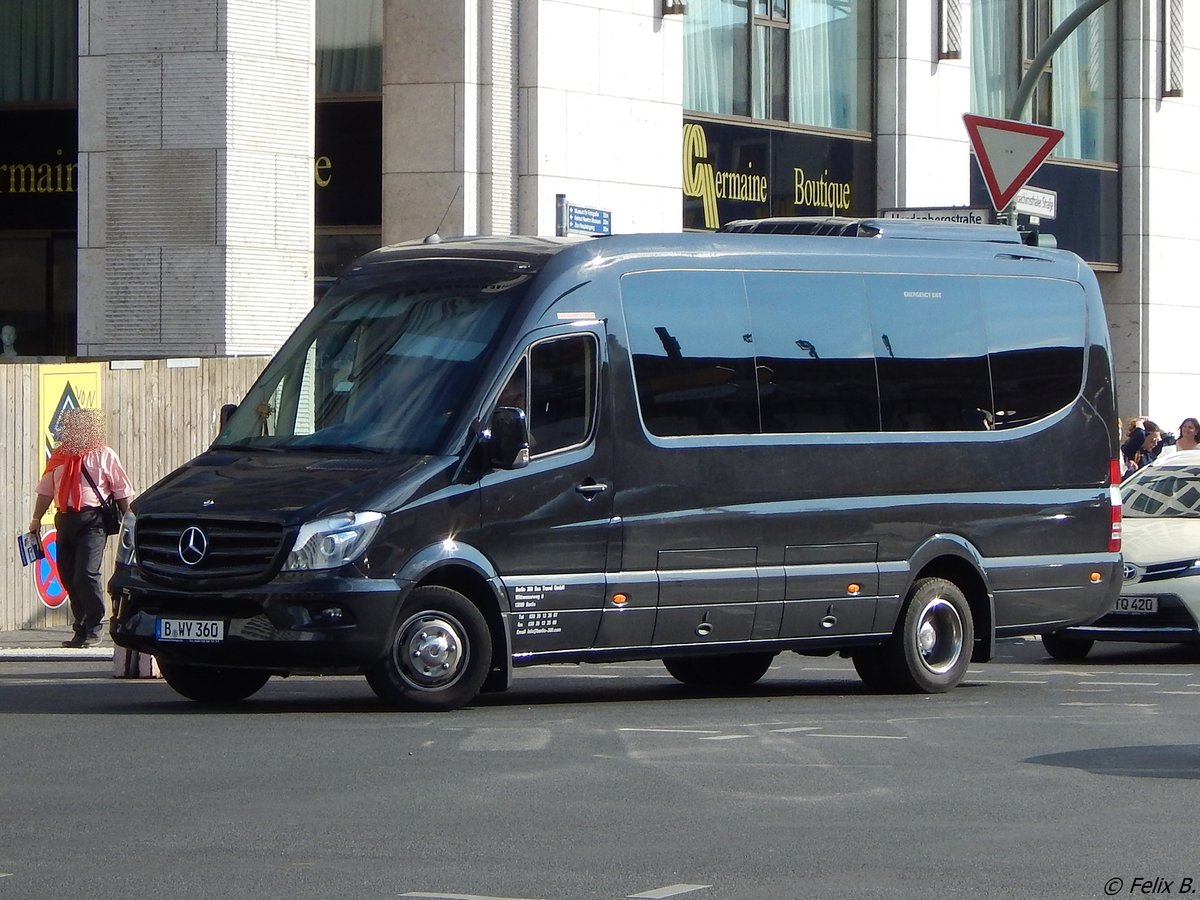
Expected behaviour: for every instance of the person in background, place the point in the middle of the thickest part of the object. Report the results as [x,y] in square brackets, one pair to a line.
[1189,434]
[81,538]
[1141,445]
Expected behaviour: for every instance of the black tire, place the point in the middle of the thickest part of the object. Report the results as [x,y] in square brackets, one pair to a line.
[931,648]
[439,654]
[209,685]
[727,670]
[872,667]
[1069,649]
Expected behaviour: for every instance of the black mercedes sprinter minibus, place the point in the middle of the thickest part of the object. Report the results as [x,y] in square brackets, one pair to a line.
[486,453]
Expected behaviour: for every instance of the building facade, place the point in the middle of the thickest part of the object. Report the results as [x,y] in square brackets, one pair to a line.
[176,177]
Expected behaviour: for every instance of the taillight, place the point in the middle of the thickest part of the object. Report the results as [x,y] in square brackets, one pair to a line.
[1114,501]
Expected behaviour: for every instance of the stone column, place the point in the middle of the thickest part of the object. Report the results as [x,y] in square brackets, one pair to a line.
[195,175]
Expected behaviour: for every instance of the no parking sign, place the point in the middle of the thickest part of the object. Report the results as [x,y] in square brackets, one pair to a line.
[45,573]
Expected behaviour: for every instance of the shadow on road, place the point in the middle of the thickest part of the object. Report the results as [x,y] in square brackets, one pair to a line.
[1151,761]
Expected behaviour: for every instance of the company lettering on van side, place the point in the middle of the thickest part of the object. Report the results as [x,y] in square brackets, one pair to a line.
[38,178]
[831,195]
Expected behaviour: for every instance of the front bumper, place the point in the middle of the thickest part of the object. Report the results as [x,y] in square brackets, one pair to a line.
[1175,622]
[320,625]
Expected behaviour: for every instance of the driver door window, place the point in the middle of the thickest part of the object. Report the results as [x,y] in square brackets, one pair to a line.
[555,384]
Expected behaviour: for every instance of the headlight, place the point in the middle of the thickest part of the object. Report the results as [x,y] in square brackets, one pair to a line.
[329,543]
[126,547]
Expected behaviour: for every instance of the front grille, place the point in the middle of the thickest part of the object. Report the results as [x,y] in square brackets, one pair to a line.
[220,550]
[1161,571]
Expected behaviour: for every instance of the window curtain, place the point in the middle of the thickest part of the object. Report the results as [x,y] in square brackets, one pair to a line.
[716,57]
[349,47]
[995,46]
[829,81]
[1083,98]
[37,51]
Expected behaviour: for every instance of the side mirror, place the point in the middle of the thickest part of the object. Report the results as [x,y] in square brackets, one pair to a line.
[226,412]
[508,438]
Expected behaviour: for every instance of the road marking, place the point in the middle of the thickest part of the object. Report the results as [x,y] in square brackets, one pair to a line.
[1081,703]
[869,737]
[797,728]
[1128,683]
[459,896]
[724,737]
[673,890]
[671,730]
[1189,693]
[1010,681]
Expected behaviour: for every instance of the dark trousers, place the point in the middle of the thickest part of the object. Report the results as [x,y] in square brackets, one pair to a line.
[81,540]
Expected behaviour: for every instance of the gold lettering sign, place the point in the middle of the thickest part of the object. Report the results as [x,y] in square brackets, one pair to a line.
[701,180]
[38,178]
[822,193]
[323,170]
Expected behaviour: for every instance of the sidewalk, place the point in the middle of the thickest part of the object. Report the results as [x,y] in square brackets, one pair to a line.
[46,644]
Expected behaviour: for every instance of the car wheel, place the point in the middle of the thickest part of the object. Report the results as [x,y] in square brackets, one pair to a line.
[1071,649]
[439,654]
[210,685]
[930,650]
[728,670]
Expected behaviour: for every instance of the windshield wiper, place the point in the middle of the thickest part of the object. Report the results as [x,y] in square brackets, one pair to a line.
[246,445]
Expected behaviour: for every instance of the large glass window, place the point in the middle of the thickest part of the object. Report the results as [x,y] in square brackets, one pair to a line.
[693,352]
[349,47]
[716,55]
[37,51]
[807,62]
[816,368]
[1077,92]
[931,349]
[1035,371]
[383,366]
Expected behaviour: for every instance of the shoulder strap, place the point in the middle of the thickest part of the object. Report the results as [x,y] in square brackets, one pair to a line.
[88,476]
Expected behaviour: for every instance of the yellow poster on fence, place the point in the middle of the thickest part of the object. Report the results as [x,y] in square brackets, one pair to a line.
[63,387]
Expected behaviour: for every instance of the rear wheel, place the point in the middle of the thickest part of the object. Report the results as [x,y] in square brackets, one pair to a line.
[931,648]
[209,685]
[439,655]
[727,670]
[1066,648]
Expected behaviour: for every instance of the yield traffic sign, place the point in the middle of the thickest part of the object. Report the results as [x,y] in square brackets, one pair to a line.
[1008,153]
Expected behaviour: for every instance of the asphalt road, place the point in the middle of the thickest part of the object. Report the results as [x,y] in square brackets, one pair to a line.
[1033,779]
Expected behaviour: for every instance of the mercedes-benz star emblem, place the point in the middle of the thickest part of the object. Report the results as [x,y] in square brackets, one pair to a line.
[1130,571]
[193,544]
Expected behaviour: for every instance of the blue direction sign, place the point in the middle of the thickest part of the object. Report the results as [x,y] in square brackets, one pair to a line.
[586,220]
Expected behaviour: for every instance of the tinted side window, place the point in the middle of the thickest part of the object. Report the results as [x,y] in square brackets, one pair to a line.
[562,392]
[555,385]
[816,368]
[693,352]
[931,350]
[1036,340]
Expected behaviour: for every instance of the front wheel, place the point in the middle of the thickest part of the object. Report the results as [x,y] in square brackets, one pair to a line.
[439,654]
[727,670]
[1068,649]
[930,650]
[211,685]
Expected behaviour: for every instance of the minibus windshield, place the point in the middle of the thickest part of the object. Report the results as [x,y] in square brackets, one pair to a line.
[382,365]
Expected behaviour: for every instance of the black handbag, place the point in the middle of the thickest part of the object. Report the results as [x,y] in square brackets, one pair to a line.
[109,511]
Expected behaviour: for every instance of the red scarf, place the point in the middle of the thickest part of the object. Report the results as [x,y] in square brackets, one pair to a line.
[69,493]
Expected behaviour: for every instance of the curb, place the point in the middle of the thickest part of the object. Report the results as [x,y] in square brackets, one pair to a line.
[27,654]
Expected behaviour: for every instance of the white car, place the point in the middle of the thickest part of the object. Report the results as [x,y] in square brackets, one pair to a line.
[1160,599]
